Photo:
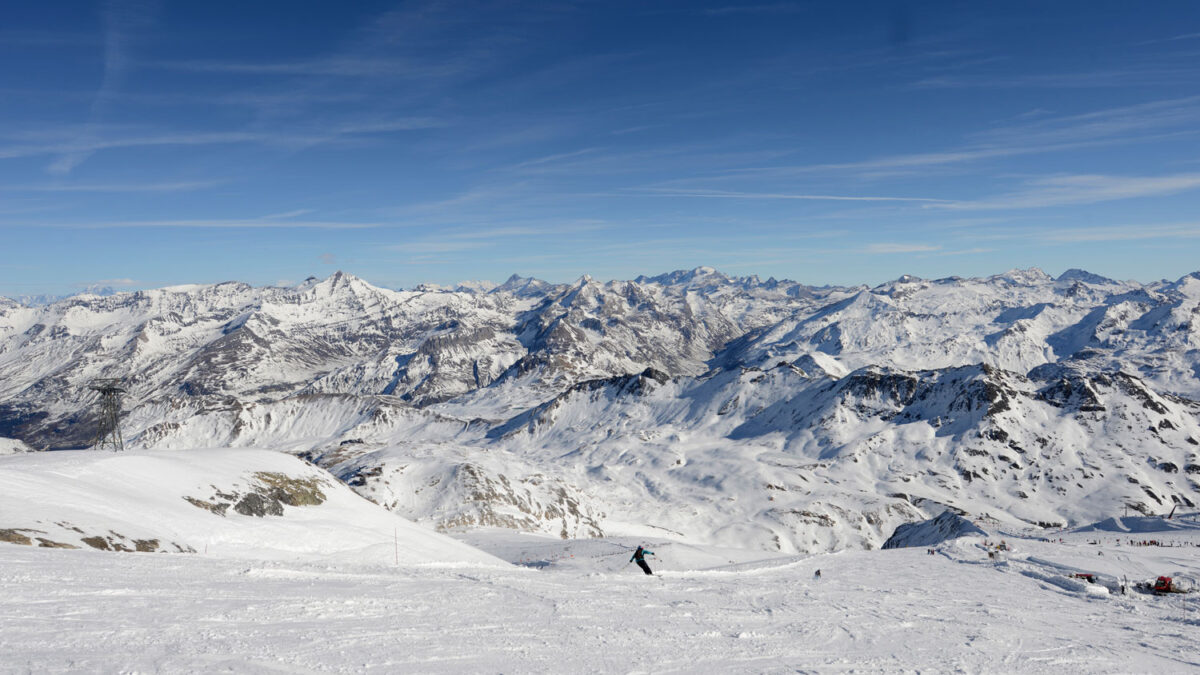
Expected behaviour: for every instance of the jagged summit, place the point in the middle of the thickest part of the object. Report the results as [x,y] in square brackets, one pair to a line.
[681,276]
[1027,277]
[523,286]
[728,409]
[1076,274]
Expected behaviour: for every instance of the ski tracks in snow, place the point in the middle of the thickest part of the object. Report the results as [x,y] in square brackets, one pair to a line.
[869,612]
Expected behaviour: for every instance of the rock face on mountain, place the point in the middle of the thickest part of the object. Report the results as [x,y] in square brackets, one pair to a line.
[733,410]
[934,531]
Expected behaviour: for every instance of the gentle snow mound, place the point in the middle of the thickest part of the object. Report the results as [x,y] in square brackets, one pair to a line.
[931,532]
[12,446]
[1141,524]
[232,503]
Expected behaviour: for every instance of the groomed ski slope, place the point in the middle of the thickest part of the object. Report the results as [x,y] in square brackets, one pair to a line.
[576,606]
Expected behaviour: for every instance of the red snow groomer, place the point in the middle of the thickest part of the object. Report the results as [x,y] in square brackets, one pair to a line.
[1164,585]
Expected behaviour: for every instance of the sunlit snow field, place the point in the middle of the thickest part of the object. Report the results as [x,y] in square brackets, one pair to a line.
[578,606]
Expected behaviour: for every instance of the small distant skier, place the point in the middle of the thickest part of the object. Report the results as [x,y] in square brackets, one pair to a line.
[640,556]
[817,574]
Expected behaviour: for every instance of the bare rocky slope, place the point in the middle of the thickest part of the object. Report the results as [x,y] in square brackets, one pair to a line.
[734,411]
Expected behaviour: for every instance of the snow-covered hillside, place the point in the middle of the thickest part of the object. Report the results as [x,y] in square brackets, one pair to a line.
[730,411]
[243,504]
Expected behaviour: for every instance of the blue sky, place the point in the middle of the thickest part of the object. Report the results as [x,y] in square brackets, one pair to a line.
[148,143]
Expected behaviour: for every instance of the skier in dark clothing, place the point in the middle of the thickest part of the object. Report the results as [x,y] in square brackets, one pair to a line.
[640,556]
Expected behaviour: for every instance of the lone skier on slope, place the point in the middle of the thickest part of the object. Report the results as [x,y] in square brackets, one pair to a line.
[640,556]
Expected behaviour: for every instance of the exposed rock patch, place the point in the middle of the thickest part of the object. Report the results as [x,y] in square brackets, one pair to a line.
[265,496]
[16,537]
[46,543]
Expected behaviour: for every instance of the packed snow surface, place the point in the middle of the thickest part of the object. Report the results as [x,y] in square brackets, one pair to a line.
[578,606]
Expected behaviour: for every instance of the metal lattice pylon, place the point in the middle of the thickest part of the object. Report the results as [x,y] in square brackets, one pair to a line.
[108,429]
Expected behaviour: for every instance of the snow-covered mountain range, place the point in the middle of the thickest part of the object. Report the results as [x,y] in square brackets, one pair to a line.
[733,411]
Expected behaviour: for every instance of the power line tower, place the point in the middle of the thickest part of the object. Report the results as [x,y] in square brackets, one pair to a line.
[108,430]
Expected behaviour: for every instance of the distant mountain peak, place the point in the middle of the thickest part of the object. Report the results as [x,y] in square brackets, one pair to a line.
[1033,275]
[681,277]
[523,286]
[1076,274]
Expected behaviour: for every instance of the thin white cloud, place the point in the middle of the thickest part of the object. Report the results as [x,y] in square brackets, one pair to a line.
[771,8]
[108,282]
[726,194]
[86,144]
[29,37]
[1152,121]
[1117,77]
[200,223]
[885,248]
[1034,113]
[552,158]
[438,246]
[1108,124]
[287,214]
[633,130]
[573,227]
[1121,233]
[122,20]
[180,186]
[966,251]
[1176,38]
[1083,189]
[335,66]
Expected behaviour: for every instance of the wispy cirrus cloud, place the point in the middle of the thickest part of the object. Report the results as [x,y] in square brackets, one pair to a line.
[294,213]
[555,229]
[1116,77]
[1107,124]
[332,66]
[200,223]
[550,159]
[123,20]
[439,246]
[123,282]
[1082,189]
[1128,232]
[1037,134]
[885,248]
[97,139]
[1174,38]
[90,143]
[178,186]
[967,251]
[727,194]
[768,8]
[1132,232]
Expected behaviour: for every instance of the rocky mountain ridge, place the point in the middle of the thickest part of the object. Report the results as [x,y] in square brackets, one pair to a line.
[730,410]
